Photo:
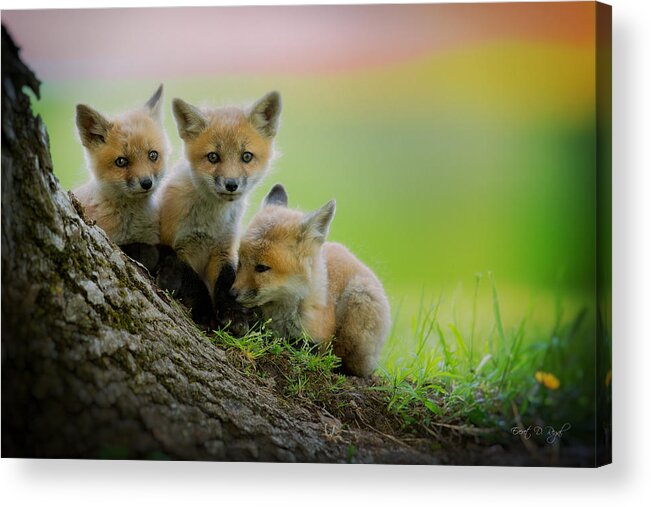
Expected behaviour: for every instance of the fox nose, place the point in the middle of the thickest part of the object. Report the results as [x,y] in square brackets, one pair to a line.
[230,184]
[146,183]
[233,292]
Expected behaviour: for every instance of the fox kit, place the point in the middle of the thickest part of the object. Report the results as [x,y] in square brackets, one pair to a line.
[227,152]
[126,157]
[304,284]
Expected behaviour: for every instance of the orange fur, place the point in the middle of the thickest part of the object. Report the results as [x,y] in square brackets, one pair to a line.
[133,136]
[119,195]
[199,217]
[228,133]
[312,286]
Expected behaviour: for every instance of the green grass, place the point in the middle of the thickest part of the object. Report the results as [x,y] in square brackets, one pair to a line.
[484,378]
[473,375]
[309,370]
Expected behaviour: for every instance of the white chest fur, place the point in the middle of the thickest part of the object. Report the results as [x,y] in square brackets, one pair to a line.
[138,223]
[125,219]
[207,224]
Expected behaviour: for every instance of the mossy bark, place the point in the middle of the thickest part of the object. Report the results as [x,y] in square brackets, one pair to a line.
[96,362]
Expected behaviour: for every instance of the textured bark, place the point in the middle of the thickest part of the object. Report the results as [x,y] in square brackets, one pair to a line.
[97,362]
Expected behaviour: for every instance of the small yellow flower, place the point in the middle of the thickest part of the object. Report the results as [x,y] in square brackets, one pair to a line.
[609,377]
[549,380]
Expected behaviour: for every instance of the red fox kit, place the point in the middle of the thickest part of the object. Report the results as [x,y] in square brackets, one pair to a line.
[304,284]
[227,152]
[126,157]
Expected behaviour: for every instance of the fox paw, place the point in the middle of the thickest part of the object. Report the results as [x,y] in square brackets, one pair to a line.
[184,284]
[147,255]
[233,319]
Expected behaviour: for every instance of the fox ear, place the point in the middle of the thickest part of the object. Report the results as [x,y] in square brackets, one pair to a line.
[92,126]
[189,120]
[265,114]
[277,196]
[316,225]
[153,105]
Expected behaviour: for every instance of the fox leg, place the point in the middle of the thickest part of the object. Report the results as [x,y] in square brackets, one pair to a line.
[145,254]
[363,323]
[186,285]
[220,274]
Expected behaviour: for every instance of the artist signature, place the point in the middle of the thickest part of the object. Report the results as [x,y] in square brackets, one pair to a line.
[550,434]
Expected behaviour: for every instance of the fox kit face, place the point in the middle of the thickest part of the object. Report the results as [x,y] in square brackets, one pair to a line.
[279,251]
[126,154]
[228,149]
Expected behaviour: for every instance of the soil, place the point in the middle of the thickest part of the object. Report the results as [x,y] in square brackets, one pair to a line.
[356,411]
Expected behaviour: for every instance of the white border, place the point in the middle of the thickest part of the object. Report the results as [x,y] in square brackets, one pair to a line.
[67,482]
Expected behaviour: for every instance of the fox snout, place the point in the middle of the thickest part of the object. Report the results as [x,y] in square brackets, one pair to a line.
[146,183]
[230,187]
[231,184]
[141,184]
[244,296]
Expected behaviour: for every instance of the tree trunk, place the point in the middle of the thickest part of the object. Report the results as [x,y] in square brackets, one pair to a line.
[97,362]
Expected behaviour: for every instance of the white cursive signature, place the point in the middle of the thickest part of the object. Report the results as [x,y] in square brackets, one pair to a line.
[550,434]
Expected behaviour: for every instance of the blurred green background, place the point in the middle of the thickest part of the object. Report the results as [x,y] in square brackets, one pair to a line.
[477,160]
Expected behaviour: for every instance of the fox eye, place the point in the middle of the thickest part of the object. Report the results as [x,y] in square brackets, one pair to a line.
[213,157]
[247,156]
[121,162]
[261,268]
[153,155]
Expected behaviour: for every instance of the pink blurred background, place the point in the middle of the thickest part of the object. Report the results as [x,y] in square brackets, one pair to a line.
[169,42]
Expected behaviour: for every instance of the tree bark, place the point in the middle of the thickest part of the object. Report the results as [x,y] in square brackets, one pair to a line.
[97,362]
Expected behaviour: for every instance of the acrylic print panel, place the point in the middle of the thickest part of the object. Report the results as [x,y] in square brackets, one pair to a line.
[467,147]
